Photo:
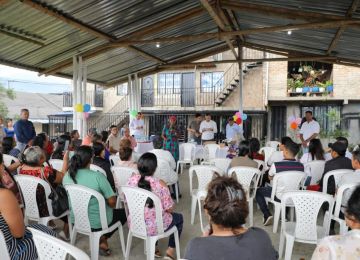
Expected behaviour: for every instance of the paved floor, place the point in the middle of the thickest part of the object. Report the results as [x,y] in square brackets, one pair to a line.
[301,251]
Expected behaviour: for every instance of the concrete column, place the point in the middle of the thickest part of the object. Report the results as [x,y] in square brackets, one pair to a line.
[84,81]
[79,98]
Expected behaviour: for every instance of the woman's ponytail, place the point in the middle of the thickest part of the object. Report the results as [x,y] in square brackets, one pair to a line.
[147,166]
[80,160]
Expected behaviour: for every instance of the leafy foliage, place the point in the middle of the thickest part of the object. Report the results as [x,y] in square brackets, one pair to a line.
[5,93]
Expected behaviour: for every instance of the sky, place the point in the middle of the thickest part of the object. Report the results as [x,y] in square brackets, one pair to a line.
[29,81]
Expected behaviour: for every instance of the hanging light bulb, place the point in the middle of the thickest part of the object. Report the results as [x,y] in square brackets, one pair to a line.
[289,32]
[157,45]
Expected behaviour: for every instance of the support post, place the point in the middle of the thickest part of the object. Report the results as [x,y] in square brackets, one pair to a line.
[74,91]
[79,98]
[130,95]
[240,55]
[84,81]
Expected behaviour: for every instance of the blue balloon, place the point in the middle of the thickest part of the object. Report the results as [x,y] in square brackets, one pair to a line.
[87,108]
[244,116]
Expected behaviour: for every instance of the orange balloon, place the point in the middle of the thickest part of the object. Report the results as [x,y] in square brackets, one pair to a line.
[293,125]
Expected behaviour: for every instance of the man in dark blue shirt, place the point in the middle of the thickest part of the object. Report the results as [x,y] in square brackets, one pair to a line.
[24,130]
[290,150]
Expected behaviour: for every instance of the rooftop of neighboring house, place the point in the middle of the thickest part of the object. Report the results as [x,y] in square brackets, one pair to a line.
[39,105]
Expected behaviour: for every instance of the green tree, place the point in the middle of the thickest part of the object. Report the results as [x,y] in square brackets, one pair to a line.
[5,92]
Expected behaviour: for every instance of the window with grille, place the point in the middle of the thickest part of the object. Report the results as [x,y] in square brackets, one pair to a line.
[169,83]
[211,81]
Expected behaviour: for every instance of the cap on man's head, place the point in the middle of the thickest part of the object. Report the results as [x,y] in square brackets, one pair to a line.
[231,119]
[338,147]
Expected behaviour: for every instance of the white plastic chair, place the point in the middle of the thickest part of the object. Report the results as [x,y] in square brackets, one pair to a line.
[114,160]
[204,175]
[121,176]
[187,155]
[96,168]
[28,186]
[136,200]
[267,153]
[290,181]
[273,144]
[210,151]
[305,230]
[3,248]
[338,205]
[337,176]
[52,248]
[168,175]
[79,198]
[8,159]
[314,170]
[249,178]
[56,164]
[221,163]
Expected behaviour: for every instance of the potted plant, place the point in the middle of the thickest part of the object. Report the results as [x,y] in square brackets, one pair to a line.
[322,87]
[290,86]
[329,86]
[299,86]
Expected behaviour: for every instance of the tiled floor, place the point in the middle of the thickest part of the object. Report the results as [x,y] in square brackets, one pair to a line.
[301,251]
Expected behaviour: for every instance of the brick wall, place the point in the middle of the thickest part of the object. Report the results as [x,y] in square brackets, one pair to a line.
[346,82]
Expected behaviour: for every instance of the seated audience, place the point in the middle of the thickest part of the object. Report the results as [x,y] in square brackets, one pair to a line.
[145,179]
[2,130]
[343,140]
[42,140]
[88,138]
[163,154]
[33,160]
[7,180]
[243,158]
[338,161]
[105,136]
[113,140]
[63,145]
[316,152]
[254,145]
[100,139]
[343,246]
[99,160]
[75,138]
[18,238]
[290,150]
[351,178]
[129,137]
[227,210]
[125,154]
[278,156]
[79,173]
[8,147]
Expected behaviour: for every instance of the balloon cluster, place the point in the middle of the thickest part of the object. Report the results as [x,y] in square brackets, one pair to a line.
[294,122]
[83,109]
[133,113]
[239,118]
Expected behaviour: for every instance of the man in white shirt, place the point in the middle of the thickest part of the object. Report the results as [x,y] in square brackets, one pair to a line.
[310,129]
[137,126]
[208,129]
[233,131]
[163,154]
[114,139]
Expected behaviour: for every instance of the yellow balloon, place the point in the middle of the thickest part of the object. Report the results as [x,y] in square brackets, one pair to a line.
[79,108]
[235,118]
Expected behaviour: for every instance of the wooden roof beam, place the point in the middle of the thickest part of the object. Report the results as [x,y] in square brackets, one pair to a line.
[165,24]
[341,29]
[67,19]
[145,54]
[20,37]
[268,10]
[219,22]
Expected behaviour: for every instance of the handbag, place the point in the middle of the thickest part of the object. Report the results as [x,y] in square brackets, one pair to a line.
[58,196]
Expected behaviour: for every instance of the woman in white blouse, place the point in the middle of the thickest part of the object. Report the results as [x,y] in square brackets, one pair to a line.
[343,247]
[316,152]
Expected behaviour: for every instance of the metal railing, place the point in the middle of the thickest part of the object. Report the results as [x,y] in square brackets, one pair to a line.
[94,98]
[108,119]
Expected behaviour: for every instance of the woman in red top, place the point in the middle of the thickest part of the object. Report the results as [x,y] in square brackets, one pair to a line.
[33,160]
[254,150]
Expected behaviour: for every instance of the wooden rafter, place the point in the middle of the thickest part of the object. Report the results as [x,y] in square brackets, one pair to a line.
[217,19]
[145,54]
[341,29]
[154,28]
[21,37]
[221,35]
[292,14]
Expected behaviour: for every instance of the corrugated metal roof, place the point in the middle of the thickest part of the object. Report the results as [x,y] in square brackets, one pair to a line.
[119,19]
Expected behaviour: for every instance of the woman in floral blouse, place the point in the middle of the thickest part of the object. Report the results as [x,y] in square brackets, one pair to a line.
[170,134]
[343,247]
[147,166]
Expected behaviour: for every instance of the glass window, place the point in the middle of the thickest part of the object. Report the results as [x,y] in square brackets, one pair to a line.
[169,83]
[122,89]
[212,81]
[161,84]
[177,83]
[328,116]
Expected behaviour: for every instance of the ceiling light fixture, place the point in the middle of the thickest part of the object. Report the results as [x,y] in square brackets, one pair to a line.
[289,32]
[157,45]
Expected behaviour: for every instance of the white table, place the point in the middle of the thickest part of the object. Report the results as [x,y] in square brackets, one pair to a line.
[143,147]
[201,154]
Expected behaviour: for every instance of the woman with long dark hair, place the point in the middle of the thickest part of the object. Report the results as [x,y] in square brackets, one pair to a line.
[316,152]
[147,165]
[254,145]
[227,210]
[63,143]
[79,173]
